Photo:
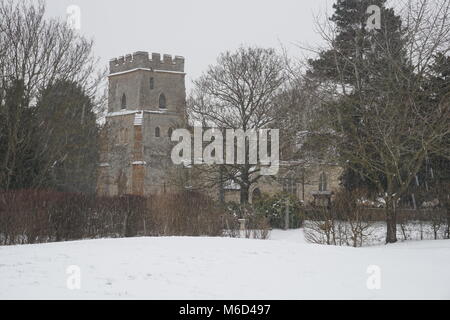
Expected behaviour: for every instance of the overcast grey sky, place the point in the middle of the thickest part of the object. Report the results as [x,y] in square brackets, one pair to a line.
[197,29]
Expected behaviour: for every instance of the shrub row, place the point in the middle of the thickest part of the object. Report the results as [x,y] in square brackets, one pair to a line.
[36,216]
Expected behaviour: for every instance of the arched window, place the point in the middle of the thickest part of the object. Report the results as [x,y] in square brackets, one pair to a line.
[323,182]
[124,101]
[152,83]
[162,101]
[157,132]
[169,132]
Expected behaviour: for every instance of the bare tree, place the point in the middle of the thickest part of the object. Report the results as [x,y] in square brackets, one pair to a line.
[384,123]
[238,92]
[35,52]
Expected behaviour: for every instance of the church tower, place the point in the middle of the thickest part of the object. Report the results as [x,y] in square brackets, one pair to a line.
[146,102]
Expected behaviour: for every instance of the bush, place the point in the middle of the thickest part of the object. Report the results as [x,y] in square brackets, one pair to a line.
[345,223]
[274,209]
[257,225]
[32,216]
[185,214]
[349,222]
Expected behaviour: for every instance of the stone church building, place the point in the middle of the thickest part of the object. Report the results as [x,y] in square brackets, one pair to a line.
[146,102]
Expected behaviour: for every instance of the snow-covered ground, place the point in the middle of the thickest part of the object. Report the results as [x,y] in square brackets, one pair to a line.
[285,267]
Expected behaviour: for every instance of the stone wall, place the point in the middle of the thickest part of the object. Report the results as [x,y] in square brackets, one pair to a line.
[306,179]
[142,81]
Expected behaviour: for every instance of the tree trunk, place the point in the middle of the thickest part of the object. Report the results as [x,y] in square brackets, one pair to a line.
[221,188]
[391,222]
[244,194]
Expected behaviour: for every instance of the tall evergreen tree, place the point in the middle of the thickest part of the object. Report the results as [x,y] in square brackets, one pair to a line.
[357,60]
[383,127]
[433,180]
[68,136]
[18,153]
[35,52]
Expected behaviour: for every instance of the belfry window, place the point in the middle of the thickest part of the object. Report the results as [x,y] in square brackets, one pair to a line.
[162,101]
[124,101]
[157,132]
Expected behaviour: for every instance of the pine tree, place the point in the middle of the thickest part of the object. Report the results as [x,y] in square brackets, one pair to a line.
[383,124]
[69,137]
[18,154]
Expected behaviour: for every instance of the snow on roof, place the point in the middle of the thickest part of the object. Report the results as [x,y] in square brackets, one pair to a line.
[139,163]
[141,112]
[231,185]
[157,111]
[144,69]
[138,117]
[128,71]
[169,71]
[121,113]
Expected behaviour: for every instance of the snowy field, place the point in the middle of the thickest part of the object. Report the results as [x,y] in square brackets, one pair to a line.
[284,267]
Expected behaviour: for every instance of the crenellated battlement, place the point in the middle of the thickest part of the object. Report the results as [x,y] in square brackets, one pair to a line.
[141,59]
